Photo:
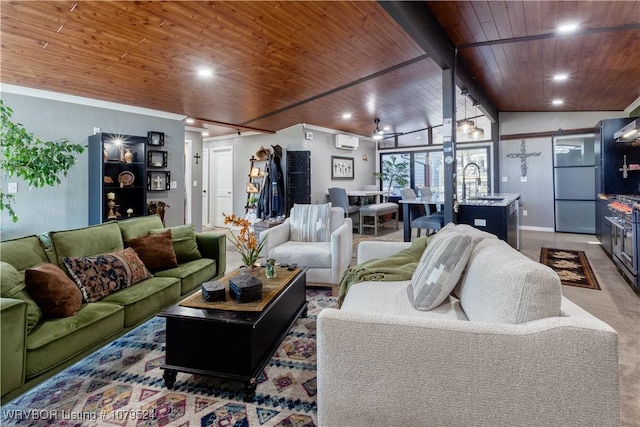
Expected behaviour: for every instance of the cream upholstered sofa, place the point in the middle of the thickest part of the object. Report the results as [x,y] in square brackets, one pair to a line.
[487,356]
[327,260]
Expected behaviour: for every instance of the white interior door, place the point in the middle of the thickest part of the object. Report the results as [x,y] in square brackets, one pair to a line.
[205,188]
[221,160]
[187,181]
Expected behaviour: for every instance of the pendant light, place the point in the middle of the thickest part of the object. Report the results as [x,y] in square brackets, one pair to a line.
[477,132]
[466,126]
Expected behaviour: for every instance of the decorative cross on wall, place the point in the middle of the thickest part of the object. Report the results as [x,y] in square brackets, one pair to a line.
[523,156]
[197,157]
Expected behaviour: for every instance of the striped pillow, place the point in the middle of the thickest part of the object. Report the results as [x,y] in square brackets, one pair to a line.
[310,223]
[439,269]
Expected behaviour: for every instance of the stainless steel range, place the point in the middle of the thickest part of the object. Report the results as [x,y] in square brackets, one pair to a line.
[625,236]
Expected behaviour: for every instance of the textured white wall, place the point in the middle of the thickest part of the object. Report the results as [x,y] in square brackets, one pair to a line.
[66,205]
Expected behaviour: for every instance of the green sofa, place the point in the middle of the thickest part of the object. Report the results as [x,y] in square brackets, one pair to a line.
[30,354]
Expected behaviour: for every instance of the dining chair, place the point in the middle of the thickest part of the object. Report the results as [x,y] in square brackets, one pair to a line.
[338,198]
[426,192]
[420,215]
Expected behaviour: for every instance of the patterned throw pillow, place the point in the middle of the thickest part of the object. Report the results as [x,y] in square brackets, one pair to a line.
[310,223]
[439,269]
[100,275]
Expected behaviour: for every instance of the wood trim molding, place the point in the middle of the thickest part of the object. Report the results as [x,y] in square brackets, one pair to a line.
[546,134]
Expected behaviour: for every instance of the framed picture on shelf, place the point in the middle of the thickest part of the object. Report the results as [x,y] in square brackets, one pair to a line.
[155,138]
[342,167]
[158,180]
[253,187]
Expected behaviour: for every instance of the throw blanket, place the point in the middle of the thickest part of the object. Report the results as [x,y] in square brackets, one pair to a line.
[394,268]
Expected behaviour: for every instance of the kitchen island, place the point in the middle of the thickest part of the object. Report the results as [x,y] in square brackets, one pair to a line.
[496,213]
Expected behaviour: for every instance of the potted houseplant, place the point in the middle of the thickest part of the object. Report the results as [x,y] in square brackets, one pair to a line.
[393,171]
[246,242]
[38,162]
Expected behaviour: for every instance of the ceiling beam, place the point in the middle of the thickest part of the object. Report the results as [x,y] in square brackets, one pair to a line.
[416,19]
[341,88]
[550,36]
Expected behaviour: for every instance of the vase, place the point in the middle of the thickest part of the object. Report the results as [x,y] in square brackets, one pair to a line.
[128,156]
[252,270]
[270,271]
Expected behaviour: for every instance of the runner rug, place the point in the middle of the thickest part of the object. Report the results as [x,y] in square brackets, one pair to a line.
[122,385]
[572,267]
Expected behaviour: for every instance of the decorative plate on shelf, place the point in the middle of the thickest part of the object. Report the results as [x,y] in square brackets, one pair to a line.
[126,178]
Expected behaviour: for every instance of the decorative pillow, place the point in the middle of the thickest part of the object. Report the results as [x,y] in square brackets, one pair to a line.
[51,288]
[100,275]
[439,269]
[12,286]
[310,223]
[183,238]
[155,251]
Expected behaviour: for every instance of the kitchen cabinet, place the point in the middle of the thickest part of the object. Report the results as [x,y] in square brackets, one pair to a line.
[497,214]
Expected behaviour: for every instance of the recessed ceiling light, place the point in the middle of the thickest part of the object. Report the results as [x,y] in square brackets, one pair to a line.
[205,72]
[386,128]
[557,102]
[346,116]
[560,77]
[205,133]
[567,28]
[190,121]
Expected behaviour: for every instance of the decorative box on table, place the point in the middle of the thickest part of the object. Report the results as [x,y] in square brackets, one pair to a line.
[213,291]
[245,288]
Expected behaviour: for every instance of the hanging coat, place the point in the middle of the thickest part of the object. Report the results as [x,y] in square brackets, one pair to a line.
[277,186]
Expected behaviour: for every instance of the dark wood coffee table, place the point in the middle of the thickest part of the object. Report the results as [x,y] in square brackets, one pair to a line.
[231,344]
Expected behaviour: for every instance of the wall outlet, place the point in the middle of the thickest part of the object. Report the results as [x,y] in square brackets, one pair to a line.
[96,131]
[195,182]
[174,184]
[12,187]
[505,179]
[523,179]
[524,212]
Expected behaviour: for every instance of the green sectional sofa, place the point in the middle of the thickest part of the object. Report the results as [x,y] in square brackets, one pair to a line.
[33,346]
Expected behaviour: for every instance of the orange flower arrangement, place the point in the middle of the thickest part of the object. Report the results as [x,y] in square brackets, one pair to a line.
[246,241]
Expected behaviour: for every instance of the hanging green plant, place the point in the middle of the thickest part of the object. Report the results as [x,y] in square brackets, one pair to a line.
[39,163]
[392,171]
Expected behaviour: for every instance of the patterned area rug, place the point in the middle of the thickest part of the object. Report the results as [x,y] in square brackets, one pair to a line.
[122,385]
[572,267]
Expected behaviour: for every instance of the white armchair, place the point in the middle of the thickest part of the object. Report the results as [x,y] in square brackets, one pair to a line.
[327,261]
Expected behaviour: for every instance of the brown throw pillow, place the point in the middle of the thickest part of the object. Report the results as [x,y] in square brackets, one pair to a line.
[56,294]
[155,251]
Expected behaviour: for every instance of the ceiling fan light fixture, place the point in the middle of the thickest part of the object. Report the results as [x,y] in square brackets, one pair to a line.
[377,132]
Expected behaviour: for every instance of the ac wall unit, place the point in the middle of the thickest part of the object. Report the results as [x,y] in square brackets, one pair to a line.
[346,142]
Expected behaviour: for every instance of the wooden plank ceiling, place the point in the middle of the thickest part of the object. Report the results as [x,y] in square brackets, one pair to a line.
[280,63]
